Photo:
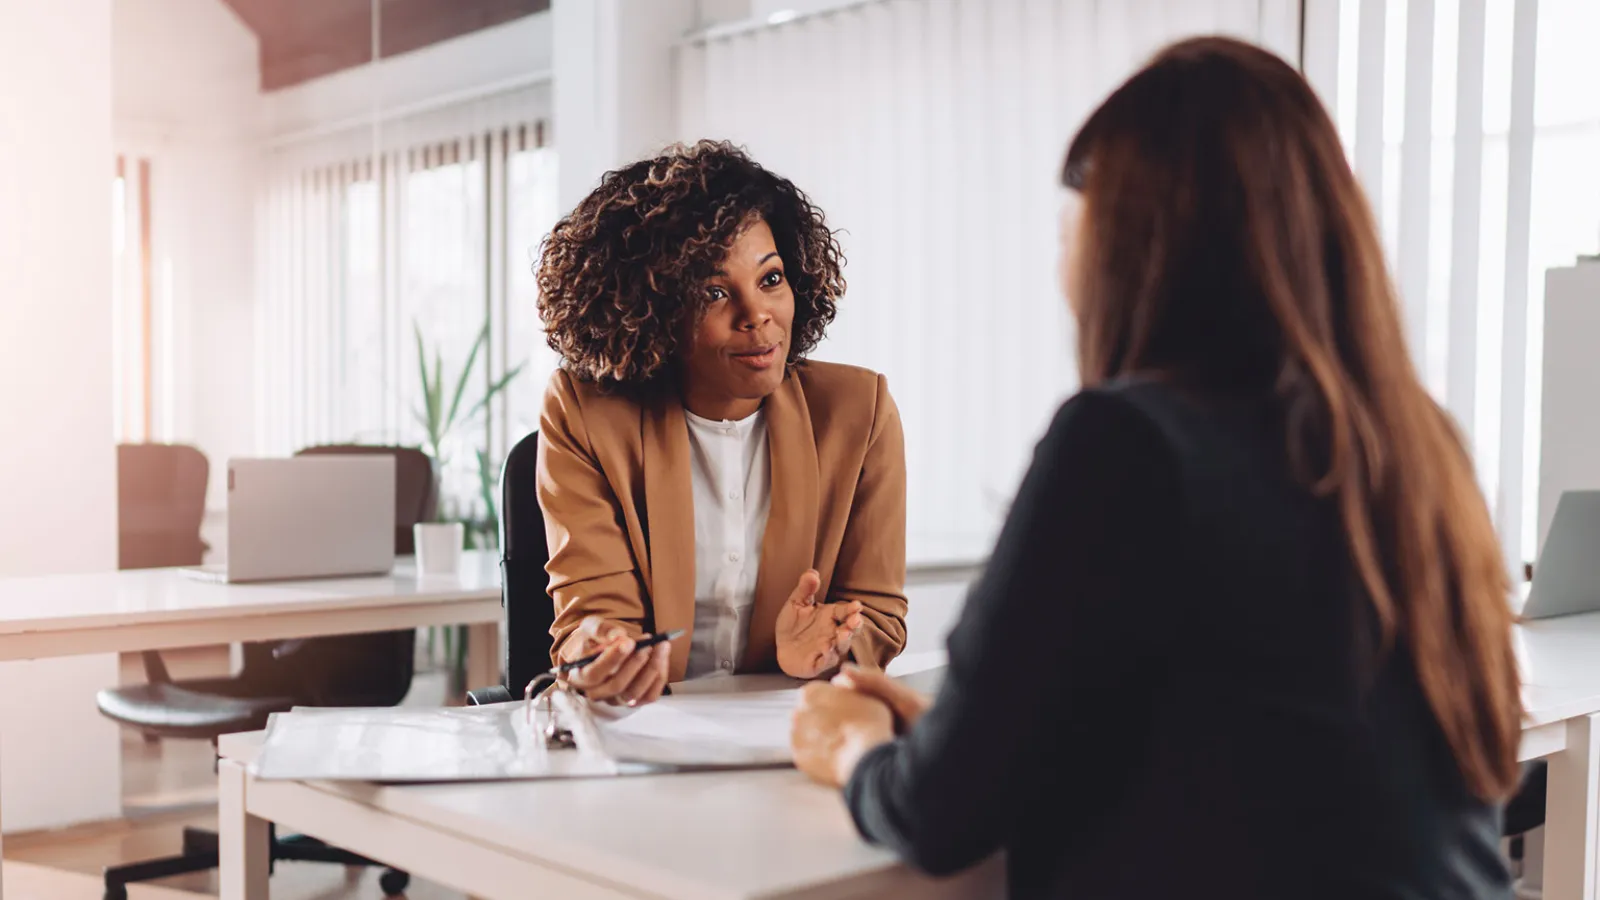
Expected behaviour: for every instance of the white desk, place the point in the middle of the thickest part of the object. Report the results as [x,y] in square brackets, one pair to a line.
[153,609]
[773,834]
[715,836]
[1560,664]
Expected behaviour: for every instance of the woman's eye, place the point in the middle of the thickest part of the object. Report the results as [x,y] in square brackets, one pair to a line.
[772,279]
[717,293]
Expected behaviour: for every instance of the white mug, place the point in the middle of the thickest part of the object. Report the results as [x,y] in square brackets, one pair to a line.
[438,547]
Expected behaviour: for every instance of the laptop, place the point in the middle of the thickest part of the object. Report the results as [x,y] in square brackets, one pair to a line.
[307,517]
[1566,579]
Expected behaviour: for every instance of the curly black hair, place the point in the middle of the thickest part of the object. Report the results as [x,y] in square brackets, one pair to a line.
[622,278]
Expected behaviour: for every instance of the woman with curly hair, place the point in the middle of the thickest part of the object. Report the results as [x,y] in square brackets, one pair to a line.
[695,470]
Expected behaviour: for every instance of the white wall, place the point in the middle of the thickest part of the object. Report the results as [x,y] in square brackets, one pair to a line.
[182,66]
[614,97]
[931,132]
[185,96]
[58,756]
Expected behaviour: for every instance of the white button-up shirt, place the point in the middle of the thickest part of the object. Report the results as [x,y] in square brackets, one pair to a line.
[730,471]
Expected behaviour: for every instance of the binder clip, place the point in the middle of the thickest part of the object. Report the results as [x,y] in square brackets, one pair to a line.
[556,737]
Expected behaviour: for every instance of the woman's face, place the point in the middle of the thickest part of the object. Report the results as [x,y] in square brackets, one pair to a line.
[740,348]
[1069,257]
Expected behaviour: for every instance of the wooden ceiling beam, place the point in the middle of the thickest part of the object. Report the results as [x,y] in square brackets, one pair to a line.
[306,39]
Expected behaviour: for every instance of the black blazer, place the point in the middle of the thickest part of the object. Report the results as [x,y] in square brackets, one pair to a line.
[1164,686]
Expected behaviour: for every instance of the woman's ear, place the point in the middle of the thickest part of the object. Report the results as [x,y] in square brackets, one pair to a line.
[1069,255]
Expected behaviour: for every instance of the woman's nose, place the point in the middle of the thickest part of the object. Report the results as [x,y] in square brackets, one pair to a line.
[754,313]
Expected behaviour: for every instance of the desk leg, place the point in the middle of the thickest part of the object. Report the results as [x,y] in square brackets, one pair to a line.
[483,655]
[1572,812]
[242,839]
[2,870]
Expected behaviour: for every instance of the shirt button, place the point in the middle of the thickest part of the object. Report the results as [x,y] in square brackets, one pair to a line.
[727,665]
[733,495]
[733,556]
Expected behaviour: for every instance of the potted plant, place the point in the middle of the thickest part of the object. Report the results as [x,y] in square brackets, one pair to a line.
[443,419]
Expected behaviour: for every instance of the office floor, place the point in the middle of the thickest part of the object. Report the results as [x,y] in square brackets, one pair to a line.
[167,786]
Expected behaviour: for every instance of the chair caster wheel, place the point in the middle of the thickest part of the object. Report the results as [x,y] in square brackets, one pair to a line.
[393,882]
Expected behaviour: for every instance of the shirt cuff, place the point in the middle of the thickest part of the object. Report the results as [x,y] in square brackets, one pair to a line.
[861,790]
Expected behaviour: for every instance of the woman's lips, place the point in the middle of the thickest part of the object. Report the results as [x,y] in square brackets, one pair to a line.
[763,358]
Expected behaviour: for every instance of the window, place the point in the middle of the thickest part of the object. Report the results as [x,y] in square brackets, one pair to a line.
[139,314]
[1544,203]
[364,255]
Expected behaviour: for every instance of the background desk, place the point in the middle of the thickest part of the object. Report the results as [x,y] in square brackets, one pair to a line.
[1560,664]
[153,609]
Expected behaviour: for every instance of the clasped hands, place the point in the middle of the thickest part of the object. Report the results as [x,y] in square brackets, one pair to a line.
[812,639]
[838,722]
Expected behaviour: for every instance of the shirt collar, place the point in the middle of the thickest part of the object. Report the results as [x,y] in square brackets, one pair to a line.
[741,427]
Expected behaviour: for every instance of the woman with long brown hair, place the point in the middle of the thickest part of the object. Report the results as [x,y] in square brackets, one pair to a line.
[1246,630]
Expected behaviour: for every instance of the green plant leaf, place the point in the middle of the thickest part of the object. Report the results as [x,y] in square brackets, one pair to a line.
[428,420]
[436,396]
[486,490]
[466,375]
[494,389]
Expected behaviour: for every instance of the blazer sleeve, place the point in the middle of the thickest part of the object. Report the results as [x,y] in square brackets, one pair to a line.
[872,554]
[1071,622]
[592,570]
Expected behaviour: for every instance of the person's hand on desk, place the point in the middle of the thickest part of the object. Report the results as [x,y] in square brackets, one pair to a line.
[837,723]
[833,728]
[813,637]
[906,704]
[623,674]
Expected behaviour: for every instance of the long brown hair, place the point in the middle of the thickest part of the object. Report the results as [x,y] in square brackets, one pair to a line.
[1225,240]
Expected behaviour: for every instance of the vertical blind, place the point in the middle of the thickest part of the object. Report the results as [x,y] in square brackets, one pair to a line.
[368,238]
[141,316]
[1474,127]
[931,132]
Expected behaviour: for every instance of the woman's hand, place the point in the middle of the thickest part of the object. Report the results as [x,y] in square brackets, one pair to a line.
[833,728]
[812,637]
[906,704]
[623,674]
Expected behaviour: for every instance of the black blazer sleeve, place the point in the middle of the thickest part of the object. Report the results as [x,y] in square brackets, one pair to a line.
[1072,616]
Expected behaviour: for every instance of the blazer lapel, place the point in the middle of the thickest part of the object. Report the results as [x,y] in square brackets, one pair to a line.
[789,546]
[669,509]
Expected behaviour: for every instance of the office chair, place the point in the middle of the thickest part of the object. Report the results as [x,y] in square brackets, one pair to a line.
[524,583]
[372,669]
[161,503]
[161,500]
[348,670]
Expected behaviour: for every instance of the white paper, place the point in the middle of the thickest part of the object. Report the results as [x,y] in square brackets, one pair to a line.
[692,730]
[471,743]
[685,731]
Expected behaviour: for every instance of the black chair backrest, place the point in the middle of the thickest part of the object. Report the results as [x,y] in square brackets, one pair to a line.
[365,669]
[525,584]
[161,501]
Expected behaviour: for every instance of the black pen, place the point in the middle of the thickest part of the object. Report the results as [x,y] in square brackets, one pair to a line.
[647,641]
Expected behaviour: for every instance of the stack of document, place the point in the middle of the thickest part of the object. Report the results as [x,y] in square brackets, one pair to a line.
[700,730]
[687,732]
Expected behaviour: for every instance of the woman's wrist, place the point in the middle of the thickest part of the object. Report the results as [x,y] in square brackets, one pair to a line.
[859,740]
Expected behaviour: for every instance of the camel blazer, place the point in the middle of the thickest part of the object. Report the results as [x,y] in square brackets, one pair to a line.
[618,505]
